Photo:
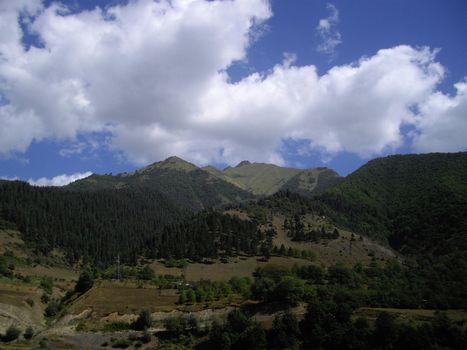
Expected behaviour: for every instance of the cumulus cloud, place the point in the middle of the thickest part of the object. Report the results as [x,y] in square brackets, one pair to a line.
[152,76]
[328,32]
[442,123]
[59,180]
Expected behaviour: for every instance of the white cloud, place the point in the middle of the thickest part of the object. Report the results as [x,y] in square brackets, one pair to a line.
[328,32]
[442,123]
[152,75]
[59,180]
[9,178]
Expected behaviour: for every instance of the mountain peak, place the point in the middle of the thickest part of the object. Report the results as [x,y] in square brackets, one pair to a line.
[172,162]
[242,163]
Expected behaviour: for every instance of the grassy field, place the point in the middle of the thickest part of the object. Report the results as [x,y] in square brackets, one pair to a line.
[329,252]
[17,295]
[10,241]
[109,297]
[236,267]
[55,272]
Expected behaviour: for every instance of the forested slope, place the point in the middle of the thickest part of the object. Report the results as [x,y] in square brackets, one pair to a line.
[417,202]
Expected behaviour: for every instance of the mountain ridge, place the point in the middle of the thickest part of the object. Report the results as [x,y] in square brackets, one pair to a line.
[256,179]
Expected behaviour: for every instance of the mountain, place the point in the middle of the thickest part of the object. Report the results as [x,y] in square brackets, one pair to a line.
[416,202]
[266,179]
[181,182]
[197,188]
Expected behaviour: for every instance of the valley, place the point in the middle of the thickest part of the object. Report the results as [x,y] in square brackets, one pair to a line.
[200,249]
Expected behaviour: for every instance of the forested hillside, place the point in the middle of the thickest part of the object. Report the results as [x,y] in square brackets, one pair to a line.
[93,226]
[96,226]
[417,202]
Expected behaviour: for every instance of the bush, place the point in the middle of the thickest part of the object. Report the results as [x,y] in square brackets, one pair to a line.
[30,302]
[85,282]
[146,337]
[45,298]
[47,284]
[144,320]
[29,333]
[11,334]
[121,344]
[52,309]
[116,326]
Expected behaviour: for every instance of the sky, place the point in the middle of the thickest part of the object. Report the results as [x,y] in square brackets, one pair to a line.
[107,86]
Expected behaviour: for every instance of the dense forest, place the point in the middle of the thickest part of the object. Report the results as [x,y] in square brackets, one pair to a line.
[417,202]
[96,226]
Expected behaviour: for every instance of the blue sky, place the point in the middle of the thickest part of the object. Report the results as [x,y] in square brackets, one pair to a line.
[108,86]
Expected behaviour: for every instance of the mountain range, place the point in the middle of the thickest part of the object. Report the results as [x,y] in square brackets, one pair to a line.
[197,188]
[415,203]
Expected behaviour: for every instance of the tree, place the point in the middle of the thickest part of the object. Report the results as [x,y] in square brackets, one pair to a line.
[52,309]
[285,332]
[182,297]
[28,333]
[386,331]
[252,338]
[175,326]
[146,273]
[11,334]
[85,282]
[144,320]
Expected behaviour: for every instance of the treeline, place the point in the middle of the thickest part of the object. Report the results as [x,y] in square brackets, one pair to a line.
[328,325]
[208,234]
[390,285]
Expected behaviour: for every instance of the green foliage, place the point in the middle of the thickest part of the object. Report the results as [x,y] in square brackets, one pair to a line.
[146,273]
[285,332]
[116,327]
[47,284]
[240,332]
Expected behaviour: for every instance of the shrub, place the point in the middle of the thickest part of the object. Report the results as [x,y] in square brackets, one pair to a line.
[47,284]
[144,320]
[85,282]
[11,334]
[51,309]
[145,338]
[121,344]
[28,333]
[30,302]
[45,298]
[116,326]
